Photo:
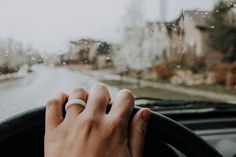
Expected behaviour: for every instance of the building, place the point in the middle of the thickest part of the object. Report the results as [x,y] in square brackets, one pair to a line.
[190,31]
[88,51]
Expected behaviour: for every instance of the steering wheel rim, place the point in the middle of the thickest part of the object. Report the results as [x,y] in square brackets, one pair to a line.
[160,128]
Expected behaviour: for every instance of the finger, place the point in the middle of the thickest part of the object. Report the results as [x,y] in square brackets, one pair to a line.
[54,110]
[73,110]
[123,105]
[137,132]
[98,99]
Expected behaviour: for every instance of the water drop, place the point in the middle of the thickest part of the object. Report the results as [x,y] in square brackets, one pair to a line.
[85,61]
[178,66]
[212,27]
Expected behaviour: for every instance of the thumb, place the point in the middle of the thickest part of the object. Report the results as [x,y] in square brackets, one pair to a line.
[137,134]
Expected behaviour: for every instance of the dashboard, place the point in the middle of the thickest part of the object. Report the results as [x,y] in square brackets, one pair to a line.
[217,128]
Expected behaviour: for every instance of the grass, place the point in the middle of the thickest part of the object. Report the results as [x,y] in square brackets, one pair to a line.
[150,91]
[213,88]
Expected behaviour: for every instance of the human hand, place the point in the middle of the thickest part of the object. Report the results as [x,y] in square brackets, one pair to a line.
[90,131]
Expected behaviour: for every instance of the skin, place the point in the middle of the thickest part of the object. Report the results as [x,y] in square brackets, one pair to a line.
[89,131]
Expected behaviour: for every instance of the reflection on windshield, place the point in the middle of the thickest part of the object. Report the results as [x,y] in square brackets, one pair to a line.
[188,55]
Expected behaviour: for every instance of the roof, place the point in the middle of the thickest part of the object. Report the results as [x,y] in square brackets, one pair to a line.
[201,18]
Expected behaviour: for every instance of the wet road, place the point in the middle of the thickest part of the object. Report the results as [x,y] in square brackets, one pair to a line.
[36,88]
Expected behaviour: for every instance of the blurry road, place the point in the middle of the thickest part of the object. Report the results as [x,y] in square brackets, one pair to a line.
[36,88]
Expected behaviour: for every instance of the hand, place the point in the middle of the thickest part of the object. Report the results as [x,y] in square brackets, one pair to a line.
[89,131]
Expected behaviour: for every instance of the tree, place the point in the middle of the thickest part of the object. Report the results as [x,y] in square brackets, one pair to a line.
[222,34]
[142,43]
[13,55]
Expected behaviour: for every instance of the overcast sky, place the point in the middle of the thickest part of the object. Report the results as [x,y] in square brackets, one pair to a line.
[49,25]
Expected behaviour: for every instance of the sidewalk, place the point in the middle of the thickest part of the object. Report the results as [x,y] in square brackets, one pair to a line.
[165,86]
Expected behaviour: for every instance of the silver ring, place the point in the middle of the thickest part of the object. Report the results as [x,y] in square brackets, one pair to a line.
[75,101]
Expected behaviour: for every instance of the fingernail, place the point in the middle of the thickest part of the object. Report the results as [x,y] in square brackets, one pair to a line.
[146,115]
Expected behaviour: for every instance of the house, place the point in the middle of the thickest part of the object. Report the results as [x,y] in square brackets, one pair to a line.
[88,51]
[84,50]
[189,32]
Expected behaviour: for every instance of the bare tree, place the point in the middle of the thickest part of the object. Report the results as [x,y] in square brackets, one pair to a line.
[13,55]
[142,43]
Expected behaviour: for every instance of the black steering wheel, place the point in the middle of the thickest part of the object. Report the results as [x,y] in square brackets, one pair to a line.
[23,135]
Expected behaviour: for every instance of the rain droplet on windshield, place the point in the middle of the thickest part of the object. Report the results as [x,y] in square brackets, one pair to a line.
[85,61]
[178,66]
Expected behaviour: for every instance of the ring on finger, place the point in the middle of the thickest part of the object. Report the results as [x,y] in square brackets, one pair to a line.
[74,101]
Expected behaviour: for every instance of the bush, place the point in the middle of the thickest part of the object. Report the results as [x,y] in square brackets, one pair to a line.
[8,70]
[163,71]
[186,61]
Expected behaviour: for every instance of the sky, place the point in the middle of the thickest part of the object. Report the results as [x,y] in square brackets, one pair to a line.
[49,25]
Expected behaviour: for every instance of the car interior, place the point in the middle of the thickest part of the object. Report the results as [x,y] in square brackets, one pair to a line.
[178,57]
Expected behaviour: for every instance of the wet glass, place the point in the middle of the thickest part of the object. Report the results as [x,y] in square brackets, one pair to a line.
[169,49]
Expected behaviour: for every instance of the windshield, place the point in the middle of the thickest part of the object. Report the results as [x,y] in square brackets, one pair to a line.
[168,49]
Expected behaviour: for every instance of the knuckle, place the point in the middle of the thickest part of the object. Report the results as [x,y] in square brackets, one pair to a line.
[79,90]
[127,93]
[100,86]
[53,102]
[89,120]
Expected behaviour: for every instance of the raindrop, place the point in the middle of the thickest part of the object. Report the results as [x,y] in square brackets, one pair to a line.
[85,61]
[196,13]
[178,66]
[206,13]
[6,51]
[33,59]
[64,63]
[217,11]
[213,26]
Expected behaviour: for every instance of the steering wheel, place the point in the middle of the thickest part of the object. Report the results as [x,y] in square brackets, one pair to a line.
[23,135]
